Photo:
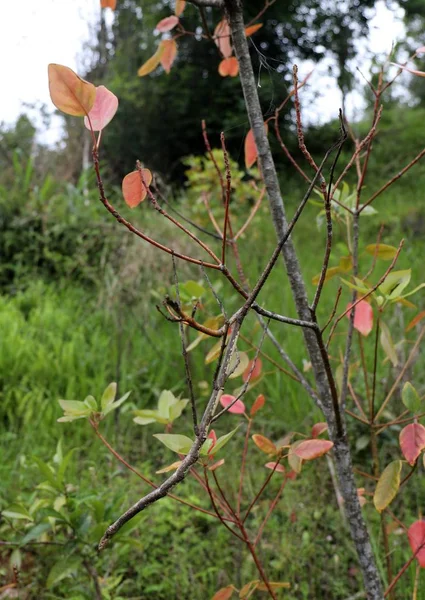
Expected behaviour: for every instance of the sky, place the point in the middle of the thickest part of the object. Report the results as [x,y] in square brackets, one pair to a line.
[35,33]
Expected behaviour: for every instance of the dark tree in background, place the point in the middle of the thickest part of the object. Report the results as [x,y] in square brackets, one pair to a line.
[159,117]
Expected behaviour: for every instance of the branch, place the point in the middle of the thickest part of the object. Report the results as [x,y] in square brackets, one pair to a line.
[208,3]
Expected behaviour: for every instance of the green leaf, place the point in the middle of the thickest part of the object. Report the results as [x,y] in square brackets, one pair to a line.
[237,364]
[175,442]
[91,403]
[64,465]
[205,447]
[222,441]
[387,344]
[382,251]
[177,409]
[47,472]
[166,400]
[36,532]
[388,485]
[394,283]
[192,289]
[114,405]
[410,398]
[419,287]
[74,408]
[359,287]
[108,395]
[62,569]
[17,511]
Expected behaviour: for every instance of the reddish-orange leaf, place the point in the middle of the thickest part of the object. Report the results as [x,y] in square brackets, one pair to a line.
[216,465]
[167,24]
[415,320]
[412,441]
[222,38]
[224,593]
[251,153]
[363,317]
[108,4]
[238,407]
[169,54]
[317,429]
[229,66]
[291,475]
[416,535]
[311,449]
[180,6]
[69,93]
[275,466]
[212,436]
[252,29]
[256,370]
[152,63]
[258,404]
[133,188]
[264,444]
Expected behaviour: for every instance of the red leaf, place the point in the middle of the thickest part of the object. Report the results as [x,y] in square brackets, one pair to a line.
[412,441]
[229,66]
[415,320]
[104,108]
[237,409]
[169,54]
[256,371]
[222,38]
[271,465]
[167,24]
[251,153]
[292,475]
[318,428]
[363,317]
[216,465]
[133,189]
[212,436]
[251,30]
[224,593]
[311,449]
[259,403]
[264,444]
[108,4]
[416,535]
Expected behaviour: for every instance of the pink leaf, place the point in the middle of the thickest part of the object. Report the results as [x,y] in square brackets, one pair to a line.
[416,535]
[311,449]
[237,409]
[420,50]
[169,54]
[271,465]
[133,188]
[363,317]
[103,111]
[256,371]
[167,24]
[222,38]
[412,441]
[413,71]
[318,428]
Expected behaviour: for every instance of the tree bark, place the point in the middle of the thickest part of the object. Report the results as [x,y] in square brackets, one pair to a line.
[324,379]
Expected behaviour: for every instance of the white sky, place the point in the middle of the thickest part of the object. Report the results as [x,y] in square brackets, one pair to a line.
[34,33]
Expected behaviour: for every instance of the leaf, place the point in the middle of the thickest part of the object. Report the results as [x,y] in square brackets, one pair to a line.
[331,272]
[222,38]
[74,408]
[193,290]
[229,67]
[388,484]
[264,444]
[17,511]
[216,465]
[214,353]
[108,395]
[237,409]
[276,466]
[172,467]
[382,251]
[116,404]
[413,71]
[410,398]
[91,403]
[416,534]
[177,409]
[412,441]
[47,472]
[165,401]
[175,442]
[415,320]
[167,24]
[134,189]
[363,317]
[256,370]
[258,404]
[247,588]
[394,283]
[318,428]
[152,63]
[179,8]
[69,93]
[388,344]
[252,29]
[108,4]
[311,449]
[275,585]
[237,364]
[169,54]
[103,111]
[222,441]
[62,569]
[251,152]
